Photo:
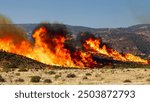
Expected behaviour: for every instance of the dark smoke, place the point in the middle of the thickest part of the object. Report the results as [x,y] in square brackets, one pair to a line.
[54,31]
[9,30]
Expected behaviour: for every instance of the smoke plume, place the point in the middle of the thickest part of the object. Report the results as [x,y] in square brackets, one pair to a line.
[9,30]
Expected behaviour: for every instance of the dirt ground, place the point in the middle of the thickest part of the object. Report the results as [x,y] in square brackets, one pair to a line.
[101,76]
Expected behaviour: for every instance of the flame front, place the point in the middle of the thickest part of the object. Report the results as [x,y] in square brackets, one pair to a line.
[47,50]
[93,44]
[43,53]
[48,47]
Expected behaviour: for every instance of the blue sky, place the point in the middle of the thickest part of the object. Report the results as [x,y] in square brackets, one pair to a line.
[91,13]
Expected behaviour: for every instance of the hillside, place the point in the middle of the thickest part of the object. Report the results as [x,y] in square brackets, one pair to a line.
[134,39]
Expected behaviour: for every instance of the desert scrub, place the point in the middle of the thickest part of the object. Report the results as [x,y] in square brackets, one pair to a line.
[19,80]
[23,69]
[47,81]
[127,81]
[17,74]
[71,75]
[51,72]
[9,67]
[85,77]
[2,79]
[148,79]
[88,74]
[57,76]
[35,79]
[97,75]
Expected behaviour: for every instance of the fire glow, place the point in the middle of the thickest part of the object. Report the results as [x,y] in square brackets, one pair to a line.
[48,47]
[93,44]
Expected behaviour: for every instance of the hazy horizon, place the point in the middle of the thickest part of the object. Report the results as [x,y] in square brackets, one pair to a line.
[88,13]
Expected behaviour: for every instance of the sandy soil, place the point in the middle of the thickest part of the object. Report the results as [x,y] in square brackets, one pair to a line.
[78,76]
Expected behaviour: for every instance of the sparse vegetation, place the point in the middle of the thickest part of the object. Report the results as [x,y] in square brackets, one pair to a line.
[35,79]
[97,75]
[148,79]
[51,72]
[48,81]
[71,75]
[127,81]
[10,65]
[88,74]
[85,77]
[57,76]
[17,74]
[23,69]
[19,80]
[2,79]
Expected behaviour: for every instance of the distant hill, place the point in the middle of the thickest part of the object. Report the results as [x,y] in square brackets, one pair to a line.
[134,39]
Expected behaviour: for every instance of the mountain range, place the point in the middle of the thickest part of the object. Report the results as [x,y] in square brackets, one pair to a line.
[133,39]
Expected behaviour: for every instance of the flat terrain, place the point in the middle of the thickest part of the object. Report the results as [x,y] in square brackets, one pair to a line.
[76,76]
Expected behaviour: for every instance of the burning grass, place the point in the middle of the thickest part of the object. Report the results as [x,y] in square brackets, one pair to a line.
[10,62]
[48,46]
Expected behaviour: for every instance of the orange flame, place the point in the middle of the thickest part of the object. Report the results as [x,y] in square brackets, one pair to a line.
[42,53]
[51,54]
[93,44]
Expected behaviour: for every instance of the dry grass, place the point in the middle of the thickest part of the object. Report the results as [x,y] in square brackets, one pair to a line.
[77,76]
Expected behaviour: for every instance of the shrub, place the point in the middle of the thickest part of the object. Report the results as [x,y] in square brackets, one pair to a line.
[48,81]
[57,76]
[19,80]
[17,74]
[51,72]
[35,79]
[71,75]
[127,81]
[9,65]
[23,69]
[148,79]
[88,74]
[2,79]
[85,77]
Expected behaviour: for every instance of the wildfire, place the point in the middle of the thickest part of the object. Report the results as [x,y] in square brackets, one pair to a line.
[93,44]
[48,46]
